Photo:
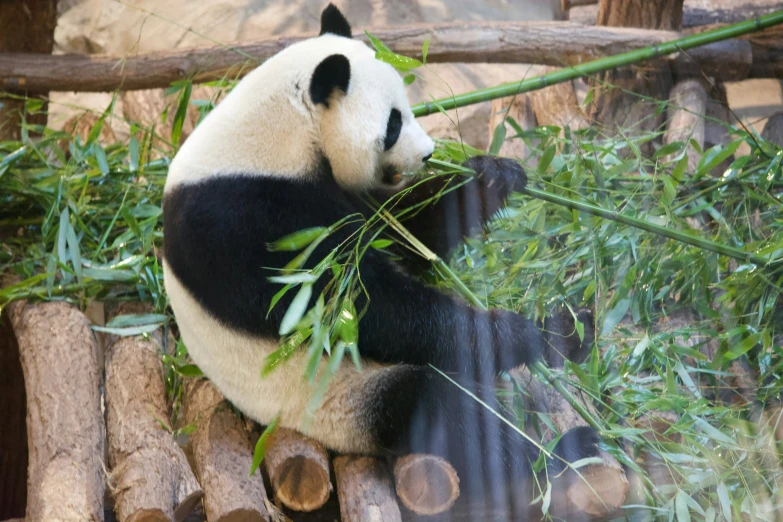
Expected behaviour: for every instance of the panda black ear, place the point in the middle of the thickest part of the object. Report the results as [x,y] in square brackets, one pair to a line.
[333,21]
[334,72]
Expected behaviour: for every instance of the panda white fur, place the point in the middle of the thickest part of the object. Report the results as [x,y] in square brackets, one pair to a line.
[291,147]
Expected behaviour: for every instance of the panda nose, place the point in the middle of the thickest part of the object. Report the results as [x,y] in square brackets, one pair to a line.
[425,158]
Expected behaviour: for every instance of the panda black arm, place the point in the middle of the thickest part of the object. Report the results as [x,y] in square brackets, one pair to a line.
[459,212]
[216,239]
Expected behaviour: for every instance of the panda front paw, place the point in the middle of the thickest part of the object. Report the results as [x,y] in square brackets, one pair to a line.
[517,340]
[506,173]
[563,339]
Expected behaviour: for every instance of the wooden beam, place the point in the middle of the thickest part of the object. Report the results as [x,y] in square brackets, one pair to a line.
[695,12]
[546,43]
[26,26]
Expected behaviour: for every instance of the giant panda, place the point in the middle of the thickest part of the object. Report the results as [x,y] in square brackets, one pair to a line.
[297,144]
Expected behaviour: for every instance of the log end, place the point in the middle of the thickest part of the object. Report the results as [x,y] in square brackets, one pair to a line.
[602,492]
[426,484]
[148,515]
[242,515]
[301,484]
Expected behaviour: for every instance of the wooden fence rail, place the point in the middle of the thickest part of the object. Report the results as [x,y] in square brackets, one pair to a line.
[545,43]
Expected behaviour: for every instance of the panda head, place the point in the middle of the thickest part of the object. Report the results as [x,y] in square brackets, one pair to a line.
[324,97]
[367,129]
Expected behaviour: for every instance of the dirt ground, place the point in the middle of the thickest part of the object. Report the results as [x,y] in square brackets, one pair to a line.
[127,27]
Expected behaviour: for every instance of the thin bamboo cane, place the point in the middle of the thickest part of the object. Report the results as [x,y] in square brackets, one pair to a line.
[600,65]
[677,235]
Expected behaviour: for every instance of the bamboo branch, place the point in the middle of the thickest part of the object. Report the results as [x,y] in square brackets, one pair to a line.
[547,43]
[601,65]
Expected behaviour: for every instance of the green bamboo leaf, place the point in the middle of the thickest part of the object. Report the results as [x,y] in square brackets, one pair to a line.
[681,507]
[713,432]
[725,500]
[296,241]
[263,441]
[616,315]
[125,320]
[546,159]
[129,331]
[714,156]
[296,309]
[380,244]
[110,274]
[669,148]
[379,45]
[425,49]
[398,61]
[182,112]
[498,138]
[96,129]
[299,277]
[103,162]
[133,154]
[73,249]
[277,298]
[743,347]
[680,167]
[62,242]
[190,370]
[547,498]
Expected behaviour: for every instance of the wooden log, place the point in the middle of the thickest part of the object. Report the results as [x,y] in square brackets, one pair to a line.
[686,111]
[546,43]
[223,456]
[27,27]
[365,490]
[694,12]
[604,487]
[150,474]
[298,469]
[426,484]
[620,104]
[65,429]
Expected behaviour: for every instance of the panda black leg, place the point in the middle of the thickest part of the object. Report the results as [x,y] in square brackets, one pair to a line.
[576,444]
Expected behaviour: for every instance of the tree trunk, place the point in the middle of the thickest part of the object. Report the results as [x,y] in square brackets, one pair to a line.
[150,474]
[25,26]
[65,429]
[619,104]
[13,431]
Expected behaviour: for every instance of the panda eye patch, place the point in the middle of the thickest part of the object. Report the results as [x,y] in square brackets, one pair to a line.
[393,129]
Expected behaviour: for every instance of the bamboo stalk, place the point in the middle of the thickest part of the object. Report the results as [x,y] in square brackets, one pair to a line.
[600,65]
[706,244]
[595,210]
